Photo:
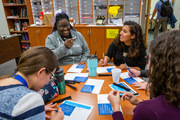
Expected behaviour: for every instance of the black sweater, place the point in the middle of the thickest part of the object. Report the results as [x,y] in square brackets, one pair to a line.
[118,58]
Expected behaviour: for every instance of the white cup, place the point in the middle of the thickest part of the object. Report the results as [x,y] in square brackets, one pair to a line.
[116,72]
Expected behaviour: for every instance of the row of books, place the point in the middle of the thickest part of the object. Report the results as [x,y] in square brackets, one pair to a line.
[25,46]
[22,13]
[16,1]
[25,36]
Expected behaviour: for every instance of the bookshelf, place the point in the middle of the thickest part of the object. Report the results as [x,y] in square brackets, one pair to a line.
[19,16]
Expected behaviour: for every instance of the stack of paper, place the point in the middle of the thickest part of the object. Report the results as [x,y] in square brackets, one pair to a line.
[75,111]
[92,86]
[81,77]
[129,79]
[76,68]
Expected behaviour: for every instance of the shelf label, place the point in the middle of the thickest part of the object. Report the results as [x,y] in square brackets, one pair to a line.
[111,33]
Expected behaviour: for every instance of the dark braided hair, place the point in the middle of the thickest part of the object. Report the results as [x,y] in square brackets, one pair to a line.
[136,43]
[58,17]
[164,70]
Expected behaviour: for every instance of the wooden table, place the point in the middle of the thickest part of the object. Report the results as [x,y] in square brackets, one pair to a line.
[91,99]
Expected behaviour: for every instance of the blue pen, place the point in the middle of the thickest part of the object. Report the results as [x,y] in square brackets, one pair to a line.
[128,68]
[103,56]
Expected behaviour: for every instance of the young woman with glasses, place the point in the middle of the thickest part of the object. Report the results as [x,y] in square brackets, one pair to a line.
[66,43]
[19,97]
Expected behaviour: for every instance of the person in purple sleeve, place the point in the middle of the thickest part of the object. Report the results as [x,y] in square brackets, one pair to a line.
[164,83]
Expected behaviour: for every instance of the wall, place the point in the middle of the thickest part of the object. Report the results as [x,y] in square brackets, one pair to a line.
[176,12]
[3,22]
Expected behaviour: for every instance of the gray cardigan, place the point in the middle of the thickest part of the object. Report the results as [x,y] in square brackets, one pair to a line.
[78,52]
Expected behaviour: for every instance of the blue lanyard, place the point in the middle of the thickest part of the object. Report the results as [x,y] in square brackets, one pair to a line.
[20,79]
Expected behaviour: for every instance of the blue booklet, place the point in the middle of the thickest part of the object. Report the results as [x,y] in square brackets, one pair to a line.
[80,66]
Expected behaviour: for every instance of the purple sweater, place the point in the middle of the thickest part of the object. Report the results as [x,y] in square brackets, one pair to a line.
[154,109]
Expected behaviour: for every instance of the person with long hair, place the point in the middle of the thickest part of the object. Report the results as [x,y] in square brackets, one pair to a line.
[66,43]
[19,97]
[163,84]
[128,47]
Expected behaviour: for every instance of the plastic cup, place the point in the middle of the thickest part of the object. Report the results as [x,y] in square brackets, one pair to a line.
[116,74]
[92,62]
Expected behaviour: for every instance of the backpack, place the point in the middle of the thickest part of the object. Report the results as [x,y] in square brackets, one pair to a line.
[166,9]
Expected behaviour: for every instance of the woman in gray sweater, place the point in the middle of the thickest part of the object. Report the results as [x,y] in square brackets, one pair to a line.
[66,43]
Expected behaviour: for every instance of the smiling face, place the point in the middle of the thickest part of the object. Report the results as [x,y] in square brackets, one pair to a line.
[125,35]
[63,27]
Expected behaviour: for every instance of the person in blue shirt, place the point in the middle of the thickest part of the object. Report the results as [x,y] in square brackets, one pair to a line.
[160,20]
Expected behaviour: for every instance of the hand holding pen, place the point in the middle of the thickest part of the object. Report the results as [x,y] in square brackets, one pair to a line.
[129,69]
[136,73]
[69,42]
[103,61]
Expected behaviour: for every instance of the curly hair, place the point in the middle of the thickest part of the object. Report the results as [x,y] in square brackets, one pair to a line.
[136,43]
[164,70]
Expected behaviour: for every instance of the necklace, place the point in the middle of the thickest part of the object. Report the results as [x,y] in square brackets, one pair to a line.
[20,79]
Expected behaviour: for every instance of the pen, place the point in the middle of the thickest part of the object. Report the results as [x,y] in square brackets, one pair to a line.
[128,68]
[104,74]
[61,100]
[70,86]
[125,88]
[103,56]
[72,81]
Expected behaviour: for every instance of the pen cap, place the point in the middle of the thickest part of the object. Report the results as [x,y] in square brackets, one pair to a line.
[59,74]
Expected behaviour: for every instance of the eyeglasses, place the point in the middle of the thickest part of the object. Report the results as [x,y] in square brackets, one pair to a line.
[52,78]
[147,58]
[64,26]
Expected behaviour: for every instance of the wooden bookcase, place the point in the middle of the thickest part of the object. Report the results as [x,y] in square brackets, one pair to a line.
[19,11]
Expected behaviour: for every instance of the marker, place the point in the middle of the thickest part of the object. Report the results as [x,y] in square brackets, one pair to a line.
[125,88]
[128,68]
[70,86]
[61,100]
[104,74]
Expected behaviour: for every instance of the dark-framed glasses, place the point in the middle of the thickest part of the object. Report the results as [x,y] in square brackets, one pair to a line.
[52,78]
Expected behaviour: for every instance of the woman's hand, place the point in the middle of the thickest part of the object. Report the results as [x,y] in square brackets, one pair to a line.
[140,85]
[103,62]
[123,67]
[130,97]
[136,73]
[69,43]
[50,107]
[57,115]
[114,99]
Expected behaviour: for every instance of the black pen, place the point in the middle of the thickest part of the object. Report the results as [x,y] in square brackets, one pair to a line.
[61,100]
[70,82]
[71,86]
[104,74]
[125,88]
[73,81]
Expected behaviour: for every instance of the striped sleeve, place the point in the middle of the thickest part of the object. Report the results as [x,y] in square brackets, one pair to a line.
[30,106]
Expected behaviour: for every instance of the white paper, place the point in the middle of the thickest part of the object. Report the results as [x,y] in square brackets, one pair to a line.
[71,76]
[97,85]
[102,99]
[104,69]
[81,111]
[125,75]
[74,69]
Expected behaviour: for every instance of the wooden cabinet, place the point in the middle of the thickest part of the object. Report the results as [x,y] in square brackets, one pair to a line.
[37,35]
[95,37]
